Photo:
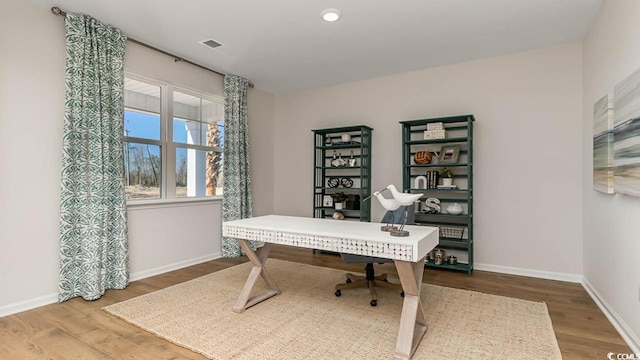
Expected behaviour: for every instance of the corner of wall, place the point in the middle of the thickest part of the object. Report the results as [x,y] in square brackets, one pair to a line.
[618,323]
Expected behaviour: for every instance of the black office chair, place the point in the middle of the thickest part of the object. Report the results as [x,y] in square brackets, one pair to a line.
[371,280]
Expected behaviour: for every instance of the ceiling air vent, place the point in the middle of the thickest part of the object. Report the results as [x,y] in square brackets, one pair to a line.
[210,43]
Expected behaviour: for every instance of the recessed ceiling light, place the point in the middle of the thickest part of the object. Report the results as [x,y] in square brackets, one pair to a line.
[331,15]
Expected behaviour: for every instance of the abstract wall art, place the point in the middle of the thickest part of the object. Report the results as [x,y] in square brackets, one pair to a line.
[603,145]
[626,136]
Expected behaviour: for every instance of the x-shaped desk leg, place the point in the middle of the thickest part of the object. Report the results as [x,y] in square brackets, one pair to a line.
[258,269]
[413,323]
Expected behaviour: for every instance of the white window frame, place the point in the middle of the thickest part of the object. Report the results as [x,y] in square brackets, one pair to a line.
[167,145]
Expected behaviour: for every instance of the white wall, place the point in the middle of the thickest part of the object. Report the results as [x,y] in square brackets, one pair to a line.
[261,117]
[31,107]
[611,227]
[31,117]
[528,151]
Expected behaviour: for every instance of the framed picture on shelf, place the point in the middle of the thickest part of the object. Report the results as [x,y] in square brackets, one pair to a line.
[327,201]
[449,154]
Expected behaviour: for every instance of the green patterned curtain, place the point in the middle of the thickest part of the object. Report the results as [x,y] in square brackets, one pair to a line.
[237,202]
[93,223]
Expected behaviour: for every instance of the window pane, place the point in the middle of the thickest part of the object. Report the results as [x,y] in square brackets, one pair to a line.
[187,106]
[197,121]
[198,172]
[213,121]
[142,170]
[142,109]
[141,125]
[197,133]
[188,132]
[215,134]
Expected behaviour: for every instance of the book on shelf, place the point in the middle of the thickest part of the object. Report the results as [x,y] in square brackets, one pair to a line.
[340,142]
[432,179]
[448,187]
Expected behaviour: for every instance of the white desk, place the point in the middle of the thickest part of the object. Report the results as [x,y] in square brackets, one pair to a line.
[360,238]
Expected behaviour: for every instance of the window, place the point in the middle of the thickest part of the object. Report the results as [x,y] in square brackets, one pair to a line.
[198,130]
[173,141]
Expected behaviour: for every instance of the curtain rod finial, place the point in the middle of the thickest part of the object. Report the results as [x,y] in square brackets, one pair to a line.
[56,11]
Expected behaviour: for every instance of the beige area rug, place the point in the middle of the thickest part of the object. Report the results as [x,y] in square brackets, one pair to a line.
[307,321]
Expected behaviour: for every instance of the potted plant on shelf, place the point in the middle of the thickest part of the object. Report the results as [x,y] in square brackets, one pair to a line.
[447,176]
[338,200]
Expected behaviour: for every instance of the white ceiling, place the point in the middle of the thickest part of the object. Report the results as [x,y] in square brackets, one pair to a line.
[283,45]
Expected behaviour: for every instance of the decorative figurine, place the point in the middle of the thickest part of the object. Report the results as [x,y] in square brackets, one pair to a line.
[339,161]
[389,205]
[405,199]
[432,206]
[422,157]
[333,182]
[418,181]
[352,160]
[346,182]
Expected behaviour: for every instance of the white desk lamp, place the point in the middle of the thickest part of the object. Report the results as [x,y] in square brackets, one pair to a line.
[405,199]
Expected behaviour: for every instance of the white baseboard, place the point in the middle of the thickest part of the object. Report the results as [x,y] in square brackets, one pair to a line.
[627,334]
[574,278]
[170,267]
[25,305]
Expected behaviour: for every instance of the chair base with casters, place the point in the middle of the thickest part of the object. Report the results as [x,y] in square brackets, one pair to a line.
[370,280]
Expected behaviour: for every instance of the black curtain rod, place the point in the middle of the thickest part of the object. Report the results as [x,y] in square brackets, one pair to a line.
[57,11]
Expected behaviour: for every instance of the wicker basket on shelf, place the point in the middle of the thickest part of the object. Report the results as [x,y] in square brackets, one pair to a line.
[451,232]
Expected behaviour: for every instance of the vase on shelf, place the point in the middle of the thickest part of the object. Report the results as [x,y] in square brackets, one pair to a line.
[447,181]
[352,160]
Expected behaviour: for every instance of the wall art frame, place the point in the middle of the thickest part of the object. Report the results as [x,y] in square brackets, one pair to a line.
[626,136]
[603,178]
[449,154]
[327,201]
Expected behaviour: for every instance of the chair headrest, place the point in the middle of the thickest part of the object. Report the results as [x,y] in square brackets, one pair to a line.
[398,215]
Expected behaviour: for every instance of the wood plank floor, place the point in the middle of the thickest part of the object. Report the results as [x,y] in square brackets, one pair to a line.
[79,329]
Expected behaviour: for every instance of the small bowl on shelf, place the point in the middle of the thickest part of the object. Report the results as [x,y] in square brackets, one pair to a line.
[454,209]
